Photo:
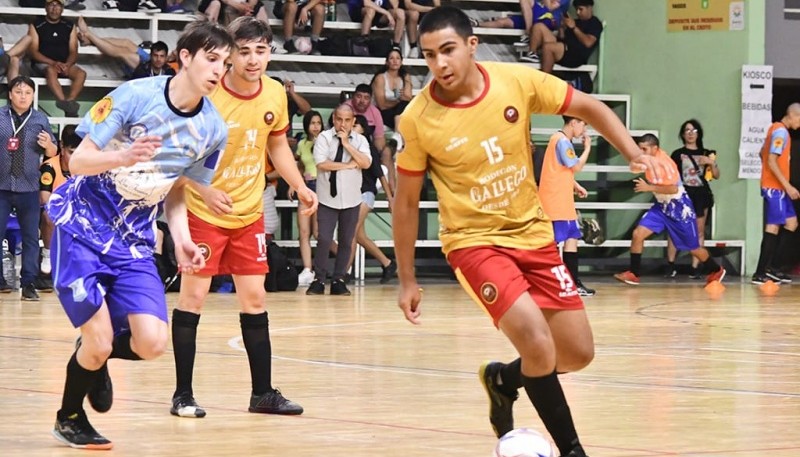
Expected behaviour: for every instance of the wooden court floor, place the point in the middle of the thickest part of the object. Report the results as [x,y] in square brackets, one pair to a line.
[676,374]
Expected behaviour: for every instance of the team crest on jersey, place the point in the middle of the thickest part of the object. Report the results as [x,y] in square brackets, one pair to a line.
[777,143]
[511,114]
[47,179]
[269,117]
[571,153]
[137,131]
[205,249]
[101,110]
[488,293]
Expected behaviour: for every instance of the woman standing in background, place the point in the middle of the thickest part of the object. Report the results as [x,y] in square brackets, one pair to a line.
[698,166]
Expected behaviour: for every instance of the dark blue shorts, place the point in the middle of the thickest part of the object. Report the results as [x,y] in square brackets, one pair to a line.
[683,232]
[564,230]
[518,20]
[778,205]
[83,278]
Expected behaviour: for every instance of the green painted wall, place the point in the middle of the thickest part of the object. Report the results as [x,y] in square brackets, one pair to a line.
[676,76]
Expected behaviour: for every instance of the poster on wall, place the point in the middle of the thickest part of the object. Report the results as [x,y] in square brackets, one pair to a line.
[756,118]
[704,15]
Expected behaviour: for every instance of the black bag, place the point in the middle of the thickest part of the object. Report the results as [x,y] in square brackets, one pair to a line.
[282,274]
[379,47]
[359,46]
[166,263]
[128,5]
[335,45]
[579,80]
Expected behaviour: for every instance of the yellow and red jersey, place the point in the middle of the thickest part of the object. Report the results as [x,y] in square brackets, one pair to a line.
[241,171]
[479,157]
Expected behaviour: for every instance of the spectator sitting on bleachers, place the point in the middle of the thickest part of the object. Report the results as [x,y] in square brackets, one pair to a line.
[392,88]
[54,51]
[362,104]
[298,12]
[372,12]
[576,40]
[138,63]
[213,8]
[415,11]
[546,13]
[10,60]
[53,173]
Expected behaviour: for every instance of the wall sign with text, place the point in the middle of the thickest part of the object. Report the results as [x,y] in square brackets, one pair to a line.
[756,118]
[704,15]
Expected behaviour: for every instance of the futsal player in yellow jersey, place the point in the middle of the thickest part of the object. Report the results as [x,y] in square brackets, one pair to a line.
[226,219]
[469,129]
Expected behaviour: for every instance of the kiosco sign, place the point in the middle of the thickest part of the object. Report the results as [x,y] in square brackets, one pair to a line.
[756,118]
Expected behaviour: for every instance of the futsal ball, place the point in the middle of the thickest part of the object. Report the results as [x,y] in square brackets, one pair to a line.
[523,442]
[303,44]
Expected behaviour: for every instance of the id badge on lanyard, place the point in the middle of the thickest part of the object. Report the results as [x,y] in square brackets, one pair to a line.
[13,143]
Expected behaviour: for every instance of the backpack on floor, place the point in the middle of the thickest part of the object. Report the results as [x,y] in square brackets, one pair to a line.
[282,274]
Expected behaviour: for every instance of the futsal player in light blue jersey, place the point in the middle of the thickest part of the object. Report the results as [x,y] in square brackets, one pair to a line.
[141,144]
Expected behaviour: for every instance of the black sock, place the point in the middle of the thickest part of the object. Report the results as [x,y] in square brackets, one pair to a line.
[77,384]
[711,265]
[255,335]
[636,263]
[784,250]
[510,379]
[184,347]
[121,348]
[395,45]
[571,262]
[548,398]
[768,245]
[412,45]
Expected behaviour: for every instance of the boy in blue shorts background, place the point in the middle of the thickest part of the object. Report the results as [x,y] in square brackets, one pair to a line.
[141,144]
[673,212]
[136,61]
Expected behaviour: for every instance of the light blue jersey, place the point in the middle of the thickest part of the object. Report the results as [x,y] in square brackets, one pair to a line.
[115,211]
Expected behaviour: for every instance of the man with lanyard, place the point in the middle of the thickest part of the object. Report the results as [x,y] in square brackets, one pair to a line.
[25,135]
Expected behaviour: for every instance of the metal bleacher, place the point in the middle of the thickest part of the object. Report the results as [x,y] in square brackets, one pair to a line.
[321,79]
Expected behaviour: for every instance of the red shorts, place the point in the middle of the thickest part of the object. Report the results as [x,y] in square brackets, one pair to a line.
[239,251]
[496,277]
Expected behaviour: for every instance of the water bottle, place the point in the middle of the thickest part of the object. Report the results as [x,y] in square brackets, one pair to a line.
[330,10]
[709,172]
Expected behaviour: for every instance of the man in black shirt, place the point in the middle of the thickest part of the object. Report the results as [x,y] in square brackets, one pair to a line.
[577,39]
[54,50]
